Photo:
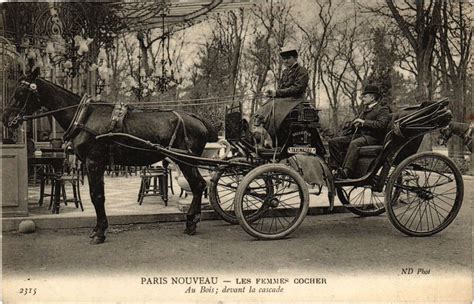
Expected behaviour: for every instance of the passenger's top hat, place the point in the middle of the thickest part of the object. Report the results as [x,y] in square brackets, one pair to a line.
[371,89]
[288,51]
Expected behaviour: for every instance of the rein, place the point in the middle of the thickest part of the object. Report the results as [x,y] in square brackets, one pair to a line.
[43,114]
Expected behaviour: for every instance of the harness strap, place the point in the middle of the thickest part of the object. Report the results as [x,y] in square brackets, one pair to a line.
[84,128]
[78,118]
[47,113]
[173,138]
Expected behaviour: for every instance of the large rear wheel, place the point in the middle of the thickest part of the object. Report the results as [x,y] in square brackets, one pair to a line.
[424,194]
[280,196]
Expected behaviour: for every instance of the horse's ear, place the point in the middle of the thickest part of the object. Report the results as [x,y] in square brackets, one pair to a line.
[33,75]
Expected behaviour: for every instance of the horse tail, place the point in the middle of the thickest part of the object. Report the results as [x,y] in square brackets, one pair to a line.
[212,130]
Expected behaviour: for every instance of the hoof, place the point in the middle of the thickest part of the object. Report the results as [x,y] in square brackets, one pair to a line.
[93,233]
[190,230]
[97,240]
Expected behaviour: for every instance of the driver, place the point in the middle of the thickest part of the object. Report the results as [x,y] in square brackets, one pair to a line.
[367,129]
[294,78]
[290,92]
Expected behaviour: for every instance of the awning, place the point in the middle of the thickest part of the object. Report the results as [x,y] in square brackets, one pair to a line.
[148,15]
[33,19]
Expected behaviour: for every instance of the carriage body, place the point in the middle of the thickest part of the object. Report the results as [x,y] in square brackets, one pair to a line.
[392,177]
[297,133]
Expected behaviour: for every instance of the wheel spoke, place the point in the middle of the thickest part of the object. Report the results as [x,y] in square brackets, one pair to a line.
[361,200]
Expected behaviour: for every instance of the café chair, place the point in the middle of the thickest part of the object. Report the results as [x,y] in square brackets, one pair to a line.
[61,179]
[46,175]
[75,181]
[34,170]
[154,182]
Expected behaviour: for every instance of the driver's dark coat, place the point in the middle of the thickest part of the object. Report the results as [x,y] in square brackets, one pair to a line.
[290,93]
[293,83]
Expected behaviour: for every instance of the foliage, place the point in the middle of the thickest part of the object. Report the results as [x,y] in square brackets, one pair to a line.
[403,46]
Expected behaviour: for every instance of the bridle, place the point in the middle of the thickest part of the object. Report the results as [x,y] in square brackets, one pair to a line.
[32,91]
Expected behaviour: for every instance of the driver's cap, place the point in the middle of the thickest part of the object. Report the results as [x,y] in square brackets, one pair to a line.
[288,51]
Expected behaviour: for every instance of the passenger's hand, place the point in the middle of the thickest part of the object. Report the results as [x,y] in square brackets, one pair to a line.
[358,122]
[270,93]
[347,125]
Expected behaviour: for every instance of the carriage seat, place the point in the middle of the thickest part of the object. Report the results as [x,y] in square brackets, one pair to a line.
[374,150]
[367,154]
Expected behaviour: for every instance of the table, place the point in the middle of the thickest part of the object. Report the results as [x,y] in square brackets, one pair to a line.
[56,161]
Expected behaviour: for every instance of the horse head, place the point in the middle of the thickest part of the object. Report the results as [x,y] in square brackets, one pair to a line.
[25,100]
[461,129]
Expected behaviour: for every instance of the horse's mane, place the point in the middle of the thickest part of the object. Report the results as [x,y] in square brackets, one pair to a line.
[66,91]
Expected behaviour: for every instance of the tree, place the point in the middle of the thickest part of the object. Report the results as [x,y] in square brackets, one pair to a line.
[215,74]
[333,68]
[454,56]
[419,23]
[316,35]
[359,55]
[270,24]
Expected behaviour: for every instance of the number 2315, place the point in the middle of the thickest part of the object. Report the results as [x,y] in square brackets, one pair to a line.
[27,291]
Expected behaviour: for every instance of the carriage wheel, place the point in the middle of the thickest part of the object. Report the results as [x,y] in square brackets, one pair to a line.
[281,196]
[361,200]
[430,195]
[222,190]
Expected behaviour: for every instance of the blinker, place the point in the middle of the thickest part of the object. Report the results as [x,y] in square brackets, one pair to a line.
[32,86]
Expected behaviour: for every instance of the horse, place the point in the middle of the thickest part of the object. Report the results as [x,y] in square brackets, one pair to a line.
[461,129]
[182,131]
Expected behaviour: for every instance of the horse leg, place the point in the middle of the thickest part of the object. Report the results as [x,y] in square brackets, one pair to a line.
[197,185]
[95,175]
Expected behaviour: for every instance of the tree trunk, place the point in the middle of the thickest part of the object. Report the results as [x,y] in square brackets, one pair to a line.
[144,53]
[456,145]
[335,114]
[235,64]
[335,119]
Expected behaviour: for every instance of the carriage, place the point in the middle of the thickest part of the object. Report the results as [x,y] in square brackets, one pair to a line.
[421,192]
[266,190]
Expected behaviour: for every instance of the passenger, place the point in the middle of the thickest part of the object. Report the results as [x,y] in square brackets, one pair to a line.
[367,129]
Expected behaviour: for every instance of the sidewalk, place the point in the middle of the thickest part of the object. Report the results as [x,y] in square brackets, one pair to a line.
[122,207]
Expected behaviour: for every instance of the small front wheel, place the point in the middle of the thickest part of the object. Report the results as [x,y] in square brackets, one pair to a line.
[279,194]
[222,189]
[424,194]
